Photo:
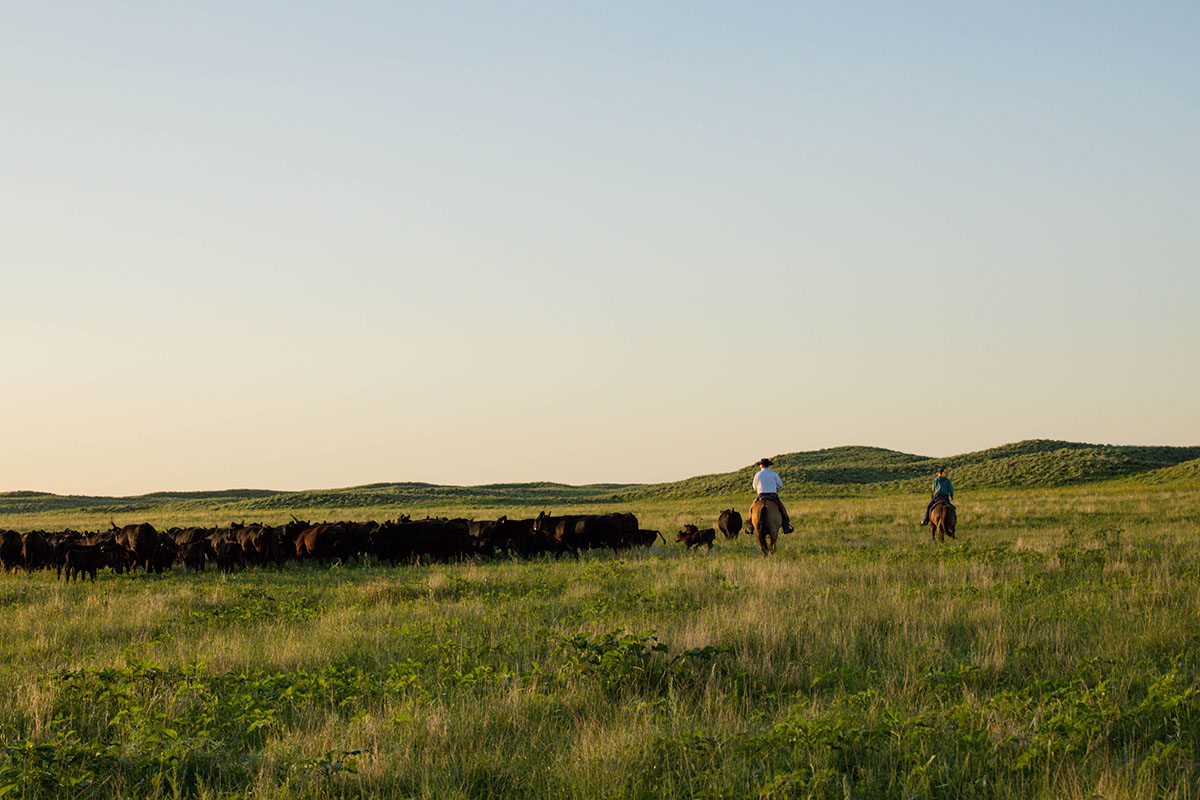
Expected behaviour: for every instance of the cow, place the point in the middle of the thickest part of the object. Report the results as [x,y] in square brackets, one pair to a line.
[83,559]
[35,550]
[196,553]
[729,523]
[517,537]
[58,543]
[693,537]
[423,540]
[229,534]
[559,533]
[325,542]
[645,538]
[229,556]
[261,544]
[142,541]
[165,554]
[356,539]
[185,536]
[586,531]
[288,535]
[387,542]
[117,557]
[486,536]
[622,532]
[12,552]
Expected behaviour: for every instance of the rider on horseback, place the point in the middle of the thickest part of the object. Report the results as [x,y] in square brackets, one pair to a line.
[767,484]
[943,491]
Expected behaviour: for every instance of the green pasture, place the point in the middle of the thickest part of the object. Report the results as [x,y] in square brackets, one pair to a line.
[1052,652]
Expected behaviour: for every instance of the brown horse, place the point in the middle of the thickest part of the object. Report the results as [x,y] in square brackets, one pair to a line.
[766,519]
[942,519]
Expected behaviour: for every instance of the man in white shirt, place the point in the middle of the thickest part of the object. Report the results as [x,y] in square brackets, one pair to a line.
[767,484]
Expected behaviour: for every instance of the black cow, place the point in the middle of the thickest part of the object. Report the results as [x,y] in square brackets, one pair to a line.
[143,541]
[325,542]
[12,554]
[262,544]
[229,556]
[729,523]
[487,536]
[84,559]
[185,536]
[195,554]
[423,540]
[517,537]
[35,550]
[645,538]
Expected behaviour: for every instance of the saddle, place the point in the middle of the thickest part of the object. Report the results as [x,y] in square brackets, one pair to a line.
[765,497]
[941,500]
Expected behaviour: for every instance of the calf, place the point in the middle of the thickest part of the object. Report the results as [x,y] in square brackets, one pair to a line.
[229,556]
[82,558]
[195,553]
[693,537]
[644,537]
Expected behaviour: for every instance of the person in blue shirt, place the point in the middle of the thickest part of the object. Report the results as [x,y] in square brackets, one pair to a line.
[941,488]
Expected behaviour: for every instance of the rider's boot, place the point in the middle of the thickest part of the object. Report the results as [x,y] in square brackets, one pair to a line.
[787,519]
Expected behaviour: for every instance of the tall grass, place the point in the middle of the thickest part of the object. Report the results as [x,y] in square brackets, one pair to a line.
[1051,652]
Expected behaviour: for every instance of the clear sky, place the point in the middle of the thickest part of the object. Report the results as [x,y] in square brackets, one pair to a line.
[299,244]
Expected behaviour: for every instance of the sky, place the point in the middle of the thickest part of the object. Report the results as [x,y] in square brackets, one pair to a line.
[297,245]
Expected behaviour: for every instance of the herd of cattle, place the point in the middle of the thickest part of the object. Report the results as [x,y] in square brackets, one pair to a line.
[124,548]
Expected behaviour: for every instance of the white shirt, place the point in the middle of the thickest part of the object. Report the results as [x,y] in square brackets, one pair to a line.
[767,481]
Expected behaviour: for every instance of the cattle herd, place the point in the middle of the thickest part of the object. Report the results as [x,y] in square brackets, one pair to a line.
[125,548]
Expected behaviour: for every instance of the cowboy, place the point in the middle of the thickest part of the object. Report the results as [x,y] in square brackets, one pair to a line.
[942,490]
[767,484]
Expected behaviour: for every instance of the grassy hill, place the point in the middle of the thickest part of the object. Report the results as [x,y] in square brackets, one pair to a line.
[1184,474]
[853,470]
[830,472]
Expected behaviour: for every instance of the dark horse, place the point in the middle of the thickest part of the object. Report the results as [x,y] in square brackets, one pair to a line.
[942,519]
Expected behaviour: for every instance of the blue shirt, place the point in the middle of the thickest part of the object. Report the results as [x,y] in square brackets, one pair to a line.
[942,485]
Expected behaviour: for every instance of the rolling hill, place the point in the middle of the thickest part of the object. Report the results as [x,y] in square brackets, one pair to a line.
[830,472]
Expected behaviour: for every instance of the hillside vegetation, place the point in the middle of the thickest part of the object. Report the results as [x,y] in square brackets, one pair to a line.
[832,472]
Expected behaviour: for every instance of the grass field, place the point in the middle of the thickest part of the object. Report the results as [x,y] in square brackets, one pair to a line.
[1054,651]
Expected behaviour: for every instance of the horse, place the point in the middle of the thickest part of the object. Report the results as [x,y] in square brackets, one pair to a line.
[942,519]
[766,519]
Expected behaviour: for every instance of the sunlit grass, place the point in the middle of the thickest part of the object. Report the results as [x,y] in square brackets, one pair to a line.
[1051,652]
